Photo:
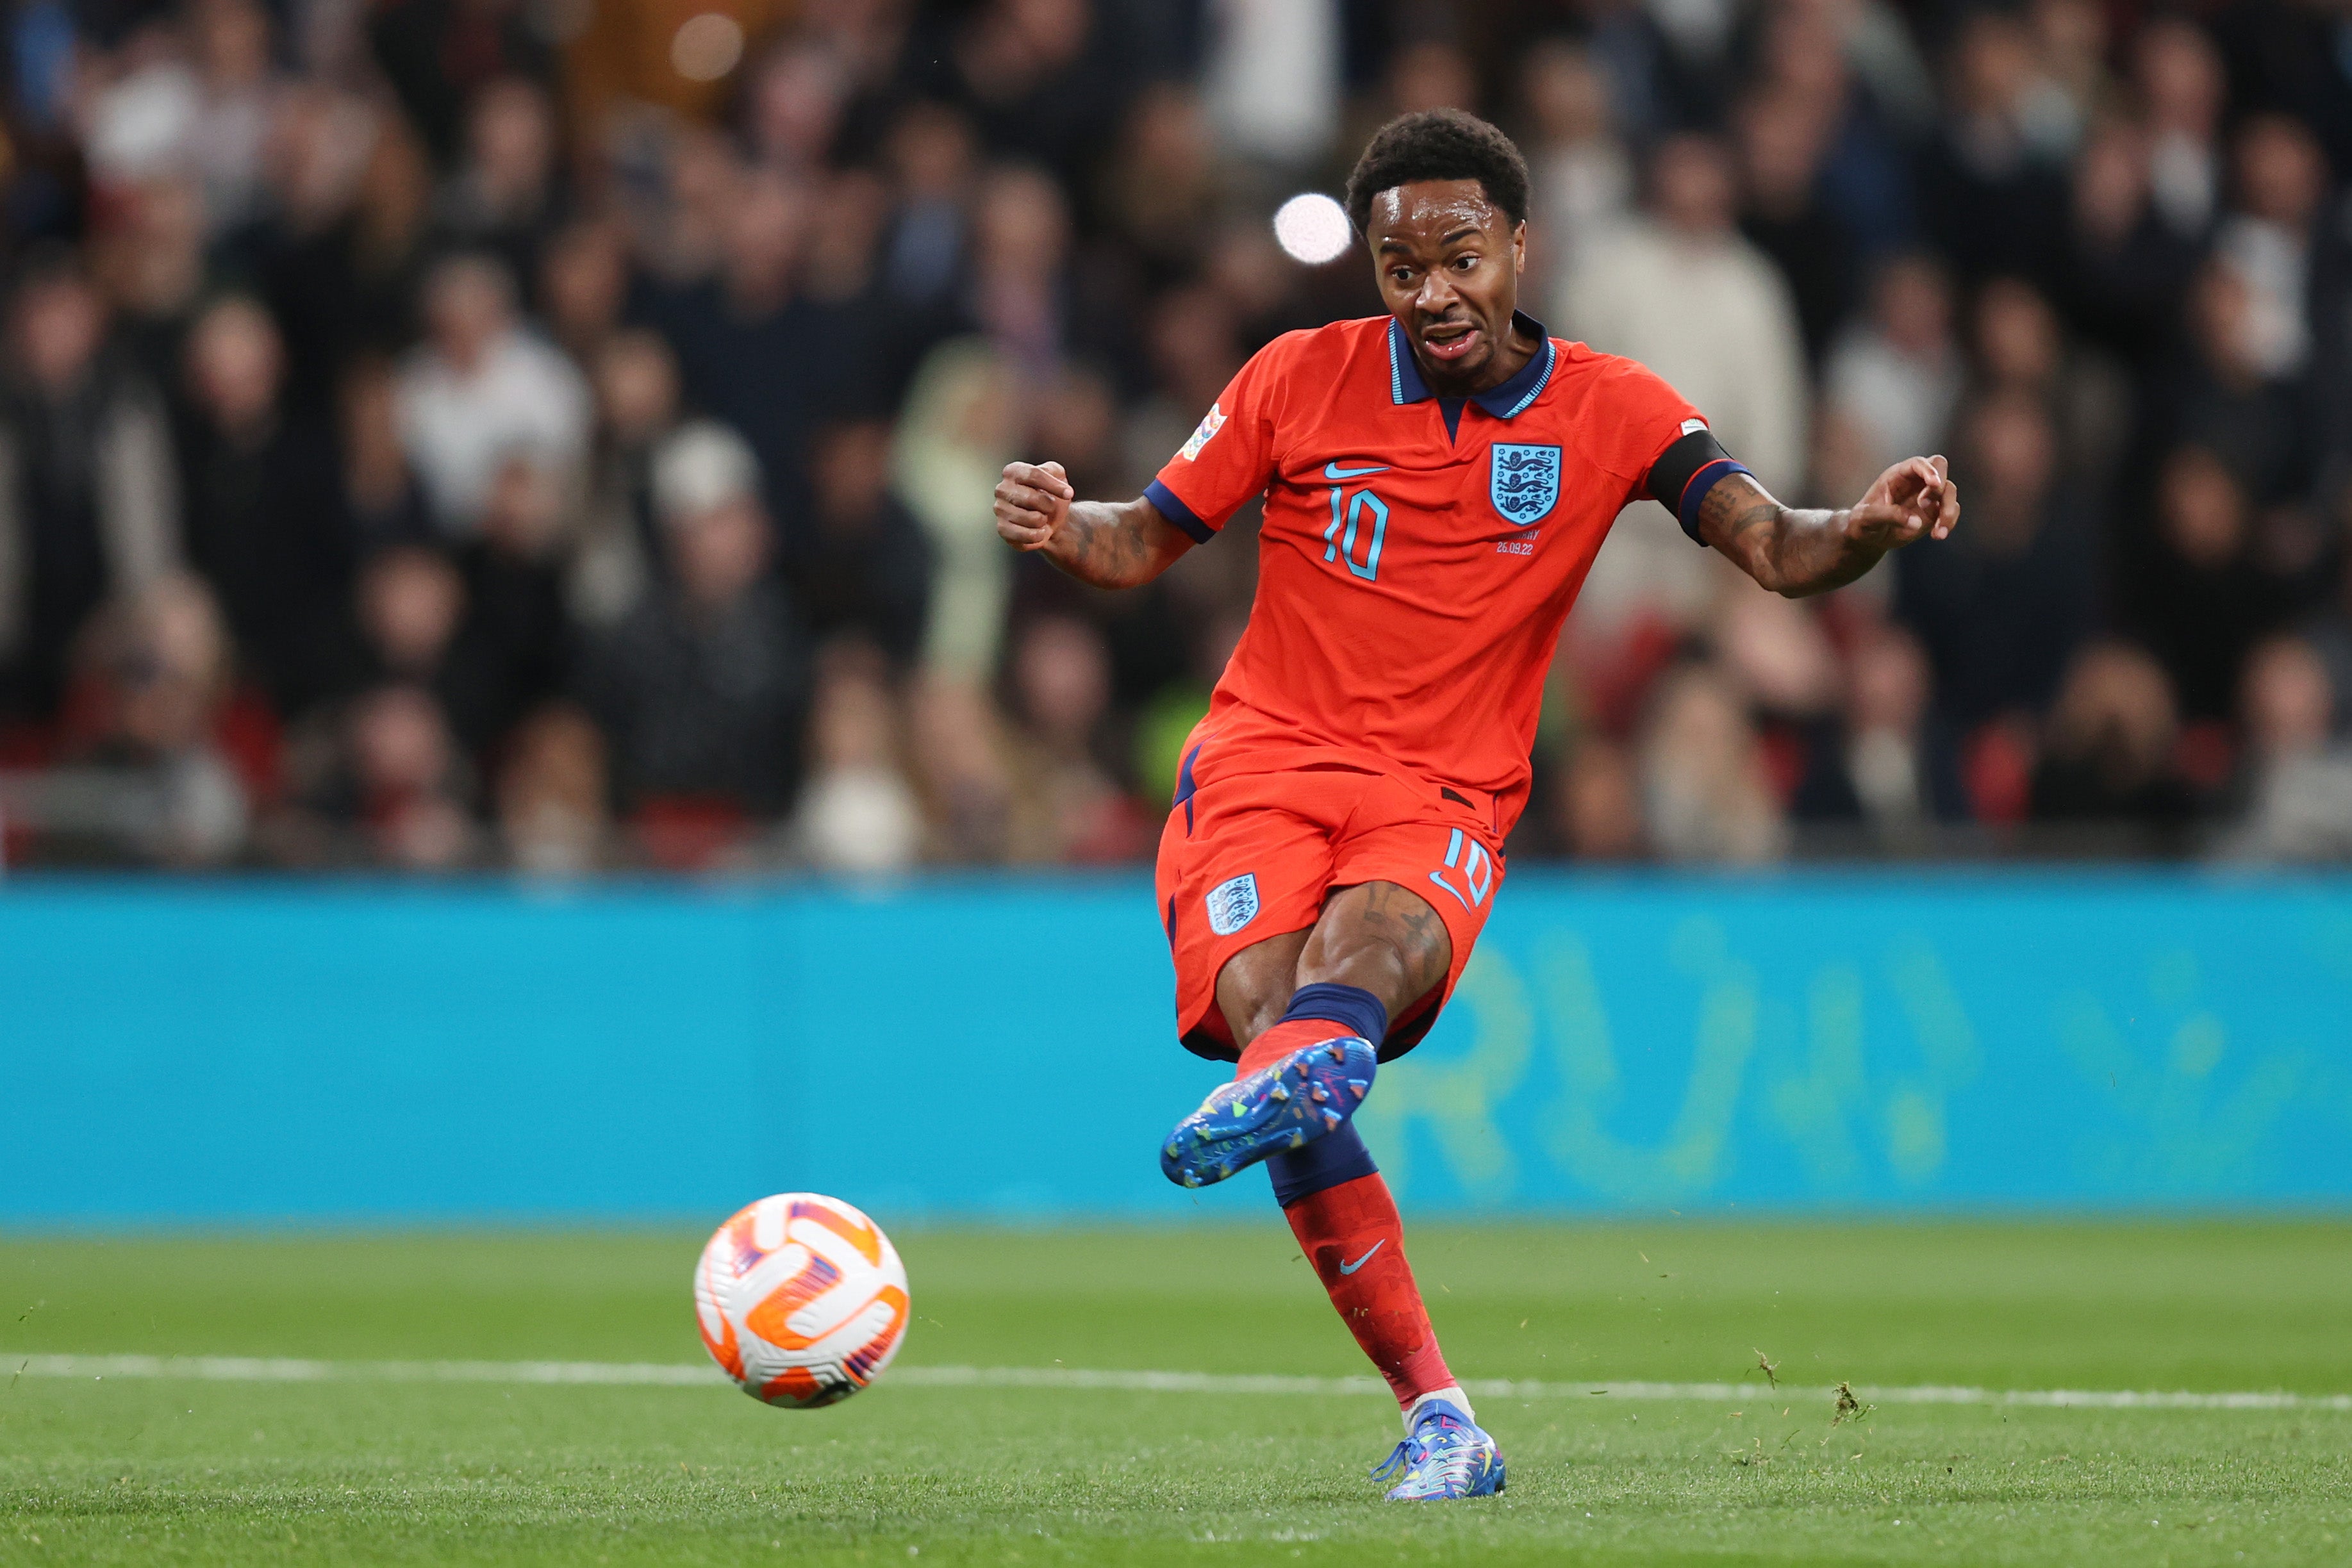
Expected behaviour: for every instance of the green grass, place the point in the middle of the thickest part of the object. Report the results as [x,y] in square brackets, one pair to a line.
[159,1471]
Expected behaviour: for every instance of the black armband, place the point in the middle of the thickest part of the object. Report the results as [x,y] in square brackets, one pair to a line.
[1683,474]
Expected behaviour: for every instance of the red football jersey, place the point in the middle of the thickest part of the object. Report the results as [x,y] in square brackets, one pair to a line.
[1412,582]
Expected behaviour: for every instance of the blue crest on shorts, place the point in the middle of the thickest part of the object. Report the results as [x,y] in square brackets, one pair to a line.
[1523,480]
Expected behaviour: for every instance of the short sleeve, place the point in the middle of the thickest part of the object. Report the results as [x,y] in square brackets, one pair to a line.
[1230,456]
[1645,417]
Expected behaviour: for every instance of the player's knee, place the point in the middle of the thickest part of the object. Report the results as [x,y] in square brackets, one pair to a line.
[1394,967]
[1254,995]
[1249,1017]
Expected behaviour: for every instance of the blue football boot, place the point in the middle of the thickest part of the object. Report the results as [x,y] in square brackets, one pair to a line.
[1446,1456]
[1286,1106]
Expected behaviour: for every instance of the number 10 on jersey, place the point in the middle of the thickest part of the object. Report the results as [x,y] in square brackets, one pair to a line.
[1348,508]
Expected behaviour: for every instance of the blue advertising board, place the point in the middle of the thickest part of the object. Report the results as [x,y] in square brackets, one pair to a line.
[1001,1047]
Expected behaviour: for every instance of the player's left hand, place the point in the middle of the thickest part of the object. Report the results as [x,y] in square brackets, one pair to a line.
[1918,499]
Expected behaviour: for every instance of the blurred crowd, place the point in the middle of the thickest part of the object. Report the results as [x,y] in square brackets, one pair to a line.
[559,434]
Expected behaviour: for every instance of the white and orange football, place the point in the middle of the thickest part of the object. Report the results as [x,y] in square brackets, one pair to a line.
[801,1299]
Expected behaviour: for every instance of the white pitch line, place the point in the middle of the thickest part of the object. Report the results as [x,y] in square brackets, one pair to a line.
[284,1369]
[276,1369]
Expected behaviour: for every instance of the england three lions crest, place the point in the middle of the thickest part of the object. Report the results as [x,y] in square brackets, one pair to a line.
[1524,481]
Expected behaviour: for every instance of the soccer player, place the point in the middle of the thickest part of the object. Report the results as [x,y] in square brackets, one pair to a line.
[1437,481]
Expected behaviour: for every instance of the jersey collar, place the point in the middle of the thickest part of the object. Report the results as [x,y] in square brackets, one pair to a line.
[1505,401]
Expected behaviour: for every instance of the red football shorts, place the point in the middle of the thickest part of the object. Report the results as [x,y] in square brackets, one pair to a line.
[1248,855]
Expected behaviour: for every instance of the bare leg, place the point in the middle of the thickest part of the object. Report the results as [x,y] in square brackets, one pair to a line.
[1255,985]
[1377,936]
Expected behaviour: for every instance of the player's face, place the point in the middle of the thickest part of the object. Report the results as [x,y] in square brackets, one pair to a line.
[1449,264]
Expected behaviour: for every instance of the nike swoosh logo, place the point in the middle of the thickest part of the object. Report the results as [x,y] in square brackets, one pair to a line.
[1333,471]
[1351,1267]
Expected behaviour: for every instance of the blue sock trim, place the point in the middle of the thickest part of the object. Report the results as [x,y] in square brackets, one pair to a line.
[1351,1005]
[1336,1156]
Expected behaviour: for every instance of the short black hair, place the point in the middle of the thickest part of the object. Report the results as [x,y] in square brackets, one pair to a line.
[1438,144]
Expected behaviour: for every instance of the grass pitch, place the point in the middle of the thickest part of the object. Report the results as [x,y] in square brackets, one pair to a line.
[174,1471]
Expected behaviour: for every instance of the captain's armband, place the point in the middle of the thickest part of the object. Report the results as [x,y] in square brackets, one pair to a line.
[1683,474]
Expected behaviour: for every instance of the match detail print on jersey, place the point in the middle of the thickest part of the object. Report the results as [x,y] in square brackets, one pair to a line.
[1233,904]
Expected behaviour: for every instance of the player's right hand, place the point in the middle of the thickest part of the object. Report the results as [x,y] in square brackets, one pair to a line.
[1032,500]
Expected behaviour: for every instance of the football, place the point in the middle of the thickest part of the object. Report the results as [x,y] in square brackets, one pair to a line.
[801,1299]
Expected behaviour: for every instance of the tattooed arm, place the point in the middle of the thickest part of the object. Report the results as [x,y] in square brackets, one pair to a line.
[1121,544]
[1797,552]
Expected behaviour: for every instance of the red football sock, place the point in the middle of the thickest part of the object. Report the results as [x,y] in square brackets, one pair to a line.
[1353,1236]
[1289,1035]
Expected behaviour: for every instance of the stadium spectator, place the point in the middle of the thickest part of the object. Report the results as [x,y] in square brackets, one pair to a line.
[1890,764]
[2107,754]
[517,637]
[866,567]
[1273,79]
[2293,794]
[554,816]
[797,96]
[584,286]
[930,155]
[754,351]
[1069,808]
[959,429]
[959,753]
[1783,145]
[2178,76]
[413,621]
[343,271]
[1583,177]
[2211,594]
[503,200]
[620,550]
[2001,611]
[479,387]
[382,780]
[703,687]
[1044,80]
[263,504]
[1991,187]
[147,727]
[1705,793]
[437,55]
[1684,294]
[1597,802]
[150,258]
[2279,179]
[381,502]
[858,814]
[1020,290]
[1897,374]
[1162,190]
[88,501]
[2019,345]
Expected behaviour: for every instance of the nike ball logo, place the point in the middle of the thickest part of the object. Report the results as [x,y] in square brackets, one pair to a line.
[1333,471]
[1351,1267]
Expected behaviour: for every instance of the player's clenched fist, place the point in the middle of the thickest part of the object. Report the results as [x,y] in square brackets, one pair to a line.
[1032,500]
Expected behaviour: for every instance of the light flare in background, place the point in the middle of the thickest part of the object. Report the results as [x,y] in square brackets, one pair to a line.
[708,46]
[1313,228]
